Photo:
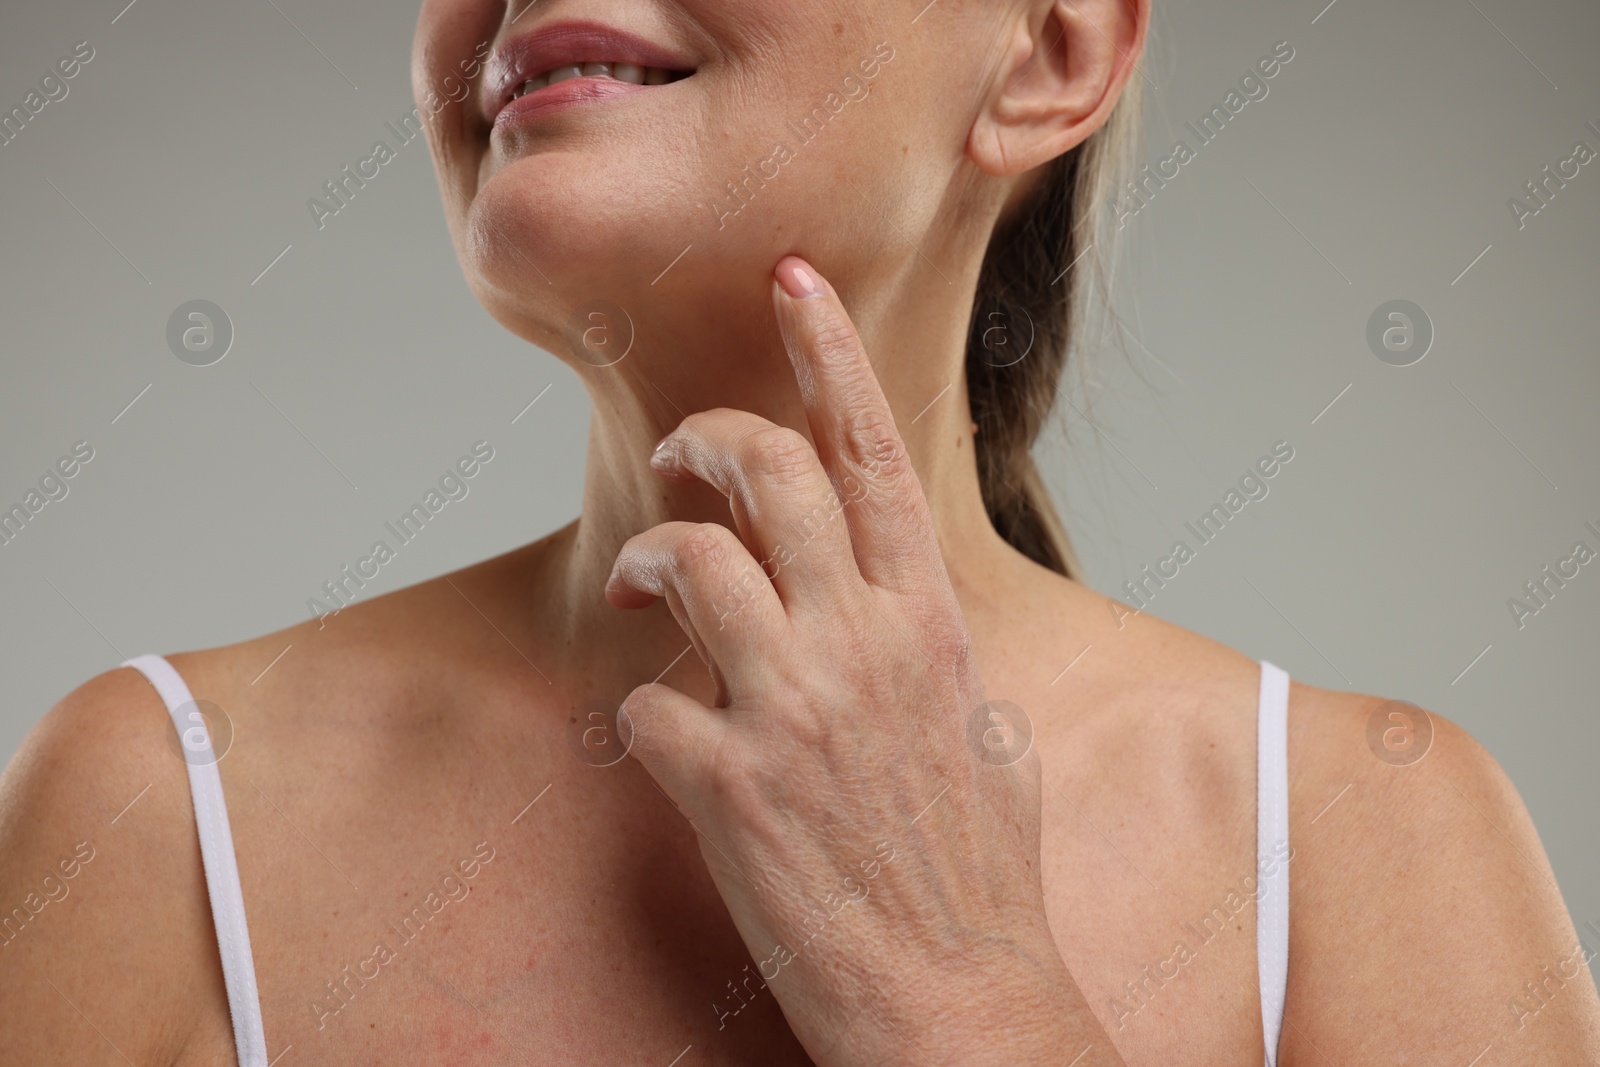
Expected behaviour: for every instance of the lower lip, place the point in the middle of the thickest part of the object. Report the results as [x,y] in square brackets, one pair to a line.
[564,94]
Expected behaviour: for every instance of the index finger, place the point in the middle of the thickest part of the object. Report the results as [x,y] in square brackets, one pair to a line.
[891,528]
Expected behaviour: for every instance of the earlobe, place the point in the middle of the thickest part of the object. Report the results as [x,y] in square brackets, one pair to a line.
[1064,73]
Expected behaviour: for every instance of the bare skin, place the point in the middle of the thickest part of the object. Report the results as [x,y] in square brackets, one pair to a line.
[425,734]
[386,746]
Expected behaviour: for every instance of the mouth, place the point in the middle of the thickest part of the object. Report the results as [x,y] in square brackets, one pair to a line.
[576,61]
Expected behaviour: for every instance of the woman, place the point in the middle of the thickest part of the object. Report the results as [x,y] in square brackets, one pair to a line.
[916,796]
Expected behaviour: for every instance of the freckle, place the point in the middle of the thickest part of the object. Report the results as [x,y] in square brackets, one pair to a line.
[838,28]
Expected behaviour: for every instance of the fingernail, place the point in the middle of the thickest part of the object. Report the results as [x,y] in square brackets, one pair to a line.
[798,279]
[661,460]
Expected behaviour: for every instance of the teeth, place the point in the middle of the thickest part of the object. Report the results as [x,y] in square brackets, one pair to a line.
[530,85]
[631,73]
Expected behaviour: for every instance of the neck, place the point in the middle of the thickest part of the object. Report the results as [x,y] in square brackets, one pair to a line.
[915,334]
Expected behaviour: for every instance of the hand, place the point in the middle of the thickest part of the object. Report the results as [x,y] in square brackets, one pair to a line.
[884,876]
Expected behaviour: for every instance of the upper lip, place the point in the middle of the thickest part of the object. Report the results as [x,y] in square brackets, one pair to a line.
[569,42]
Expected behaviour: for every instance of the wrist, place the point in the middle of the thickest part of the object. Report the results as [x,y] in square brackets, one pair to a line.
[993,1000]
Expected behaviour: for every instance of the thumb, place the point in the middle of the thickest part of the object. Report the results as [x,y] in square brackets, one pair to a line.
[676,738]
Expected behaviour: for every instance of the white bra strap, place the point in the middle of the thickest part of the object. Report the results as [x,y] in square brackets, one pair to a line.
[1272,851]
[216,854]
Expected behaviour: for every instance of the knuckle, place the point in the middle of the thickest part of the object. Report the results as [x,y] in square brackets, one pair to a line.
[834,341]
[874,444]
[706,547]
[952,645]
[776,452]
[693,426]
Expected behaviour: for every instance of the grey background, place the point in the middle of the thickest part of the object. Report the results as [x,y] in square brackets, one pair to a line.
[1378,167]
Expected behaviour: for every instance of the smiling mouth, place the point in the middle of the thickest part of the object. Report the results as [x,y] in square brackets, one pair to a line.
[576,62]
[600,70]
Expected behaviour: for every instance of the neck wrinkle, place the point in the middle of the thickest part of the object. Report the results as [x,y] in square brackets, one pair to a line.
[915,331]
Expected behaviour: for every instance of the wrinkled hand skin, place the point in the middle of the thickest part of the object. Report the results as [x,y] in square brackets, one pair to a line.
[884,878]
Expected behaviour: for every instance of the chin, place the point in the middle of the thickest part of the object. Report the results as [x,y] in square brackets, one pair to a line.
[633,161]
[553,234]
[576,223]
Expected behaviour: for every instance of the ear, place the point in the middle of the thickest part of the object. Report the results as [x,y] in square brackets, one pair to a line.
[1063,73]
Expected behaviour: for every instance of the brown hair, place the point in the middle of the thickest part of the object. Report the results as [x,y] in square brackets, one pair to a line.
[1027,317]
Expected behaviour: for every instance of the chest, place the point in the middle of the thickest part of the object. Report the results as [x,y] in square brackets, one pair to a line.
[568,916]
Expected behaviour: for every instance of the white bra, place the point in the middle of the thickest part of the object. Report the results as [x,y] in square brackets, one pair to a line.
[233,937]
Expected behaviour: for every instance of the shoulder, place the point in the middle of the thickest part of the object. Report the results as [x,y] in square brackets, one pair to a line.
[97,848]
[1421,899]
[1425,921]
[100,870]
[1145,713]
[100,754]
[377,648]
